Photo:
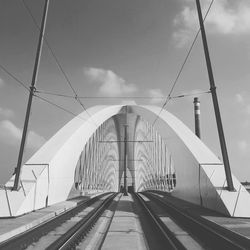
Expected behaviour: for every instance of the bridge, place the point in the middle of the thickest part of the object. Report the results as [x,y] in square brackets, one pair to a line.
[124,176]
[118,149]
[87,155]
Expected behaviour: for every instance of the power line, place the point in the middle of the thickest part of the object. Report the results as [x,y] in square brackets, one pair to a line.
[183,64]
[54,94]
[50,49]
[119,97]
[14,77]
[58,106]
[64,109]
[194,94]
[99,97]
[77,98]
[56,59]
[39,97]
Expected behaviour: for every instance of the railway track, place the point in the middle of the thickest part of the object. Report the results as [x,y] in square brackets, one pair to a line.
[76,233]
[64,231]
[125,222]
[156,234]
[162,226]
[206,233]
[169,239]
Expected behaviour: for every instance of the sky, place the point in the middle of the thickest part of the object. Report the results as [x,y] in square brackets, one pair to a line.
[118,48]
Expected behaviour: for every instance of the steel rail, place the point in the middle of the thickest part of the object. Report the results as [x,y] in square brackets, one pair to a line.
[109,222]
[172,241]
[206,231]
[23,240]
[74,235]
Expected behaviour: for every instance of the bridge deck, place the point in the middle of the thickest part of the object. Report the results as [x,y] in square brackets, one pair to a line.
[238,225]
[125,228]
[125,231]
[9,227]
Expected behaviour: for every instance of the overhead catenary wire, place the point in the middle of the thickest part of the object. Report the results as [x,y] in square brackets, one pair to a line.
[39,97]
[98,97]
[77,98]
[62,108]
[183,65]
[55,94]
[191,94]
[119,97]
[56,59]
[21,83]
[58,106]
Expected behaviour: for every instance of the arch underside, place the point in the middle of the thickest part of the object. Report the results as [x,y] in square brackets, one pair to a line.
[155,168]
[86,155]
[97,166]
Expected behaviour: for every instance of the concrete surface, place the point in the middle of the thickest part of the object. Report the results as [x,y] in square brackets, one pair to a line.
[125,231]
[238,225]
[10,227]
[48,175]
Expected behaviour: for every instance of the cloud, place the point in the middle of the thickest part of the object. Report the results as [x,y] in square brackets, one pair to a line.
[157,96]
[11,135]
[7,113]
[9,132]
[35,140]
[110,83]
[225,17]
[182,37]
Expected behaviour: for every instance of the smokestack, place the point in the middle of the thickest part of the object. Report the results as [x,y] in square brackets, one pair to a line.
[197,113]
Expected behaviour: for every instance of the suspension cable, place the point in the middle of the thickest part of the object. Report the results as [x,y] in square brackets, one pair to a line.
[55,94]
[124,97]
[14,77]
[191,94]
[59,107]
[183,65]
[39,97]
[56,59]
[77,98]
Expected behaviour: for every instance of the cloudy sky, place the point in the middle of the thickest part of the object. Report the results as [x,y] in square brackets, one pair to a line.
[118,48]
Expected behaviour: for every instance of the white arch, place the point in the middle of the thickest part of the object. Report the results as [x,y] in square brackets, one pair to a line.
[49,174]
[200,174]
[53,165]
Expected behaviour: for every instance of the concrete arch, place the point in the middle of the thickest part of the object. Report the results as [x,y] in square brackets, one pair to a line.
[201,176]
[155,159]
[200,173]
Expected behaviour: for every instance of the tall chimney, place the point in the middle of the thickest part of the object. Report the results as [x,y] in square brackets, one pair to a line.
[197,113]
